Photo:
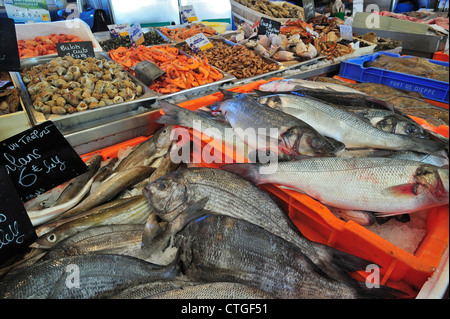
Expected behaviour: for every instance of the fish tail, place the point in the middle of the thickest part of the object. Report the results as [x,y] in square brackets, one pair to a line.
[171,114]
[248,171]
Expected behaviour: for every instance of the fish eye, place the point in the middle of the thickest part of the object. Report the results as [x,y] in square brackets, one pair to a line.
[161,186]
[317,142]
[52,237]
[411,129]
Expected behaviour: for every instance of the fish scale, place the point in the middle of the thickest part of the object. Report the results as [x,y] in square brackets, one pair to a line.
[347,127]
[380,185]
[228,194]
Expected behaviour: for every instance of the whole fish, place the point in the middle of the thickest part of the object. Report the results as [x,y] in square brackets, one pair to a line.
[70,196]
[57,279]
[119,239]
[215,290]
[146,152]
[381,185]
[149,289]
[134,211]
[263,127]
[112,186]
[217,248]
[285,85]
[391,122]
[224,193]
[103,173]
[219,130]
[347,127]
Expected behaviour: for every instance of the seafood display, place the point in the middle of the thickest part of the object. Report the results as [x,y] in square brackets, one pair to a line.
[43,45]
[297,40]
[151,37]
[236,60]
[411,65]
[282,11]
[181,71]
[67,85]
[179,34]
[9,95]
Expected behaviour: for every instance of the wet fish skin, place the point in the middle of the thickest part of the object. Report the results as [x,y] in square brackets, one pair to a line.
[111,239]
[224,193]
[149,289]
[48,279]
[285,85]
[70,196]
[381,185]
[78,182]
[103,173]
[216,290]
[215,248]
[134,211]
[147,151]
[292,135]
[173,114]
[347,128]
[112,186]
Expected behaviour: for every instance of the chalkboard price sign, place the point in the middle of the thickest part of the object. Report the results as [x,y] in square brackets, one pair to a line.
[268,26]
[9,53]
[77,50]
[309,9]
[16,230]
[39,159]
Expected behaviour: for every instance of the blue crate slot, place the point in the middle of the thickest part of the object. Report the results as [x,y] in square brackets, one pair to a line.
[431,89]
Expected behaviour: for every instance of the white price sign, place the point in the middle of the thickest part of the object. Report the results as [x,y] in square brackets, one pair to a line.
[346,32]
[188,14]
[358,6]
[136,34]
[199,42]
[119,29]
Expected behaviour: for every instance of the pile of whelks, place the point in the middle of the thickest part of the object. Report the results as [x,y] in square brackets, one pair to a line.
[168,229]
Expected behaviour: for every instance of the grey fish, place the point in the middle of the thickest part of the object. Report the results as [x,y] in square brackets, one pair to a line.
[346,127]
[112,186]
[391,122]
[217,248]
[228,194]
[119,239]
[149,289]
[219,130]
[134,211]
[146,152]
[103,173]
[263,127]
[55,279]
[78,182]
[285,85]
[381,185]
[215,290]
[74,192]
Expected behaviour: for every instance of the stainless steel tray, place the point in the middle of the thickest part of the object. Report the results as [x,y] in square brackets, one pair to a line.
[195,90]
[106,35]
[251,79]
[174,27]
[72,120]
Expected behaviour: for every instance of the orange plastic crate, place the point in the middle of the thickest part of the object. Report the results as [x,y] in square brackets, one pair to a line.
[398,268]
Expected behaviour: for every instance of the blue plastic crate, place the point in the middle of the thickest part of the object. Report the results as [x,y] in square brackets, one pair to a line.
[431,89]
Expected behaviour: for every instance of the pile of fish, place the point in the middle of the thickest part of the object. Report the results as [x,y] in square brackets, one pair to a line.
[180,232]
[356,154]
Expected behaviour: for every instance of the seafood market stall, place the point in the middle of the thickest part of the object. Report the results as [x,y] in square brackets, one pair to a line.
[172,173]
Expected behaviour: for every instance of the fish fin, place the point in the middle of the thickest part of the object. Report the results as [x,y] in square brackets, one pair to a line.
[171,113]
[151,230]
[380,292]
[408,190]
[248,171]
[209,115]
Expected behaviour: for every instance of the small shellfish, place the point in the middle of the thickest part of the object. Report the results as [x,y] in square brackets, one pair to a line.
[82,106]
[118,99]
